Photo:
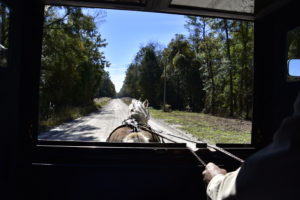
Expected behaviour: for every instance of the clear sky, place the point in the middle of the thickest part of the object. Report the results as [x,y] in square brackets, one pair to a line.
[294,67]
[126,31]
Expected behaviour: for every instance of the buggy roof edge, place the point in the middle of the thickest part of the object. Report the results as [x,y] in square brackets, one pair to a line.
[231,9]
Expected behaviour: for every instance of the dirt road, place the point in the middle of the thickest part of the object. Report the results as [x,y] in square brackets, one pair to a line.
[97,126]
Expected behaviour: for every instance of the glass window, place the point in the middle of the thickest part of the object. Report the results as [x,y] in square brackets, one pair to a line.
[4,27]
[293,54]
[192,74]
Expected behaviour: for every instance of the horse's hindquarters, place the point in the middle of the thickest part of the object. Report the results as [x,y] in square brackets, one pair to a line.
[119,134]
[127,134]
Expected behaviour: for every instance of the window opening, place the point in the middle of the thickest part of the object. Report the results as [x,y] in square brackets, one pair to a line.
[293,55]
[4,28]
[192,75]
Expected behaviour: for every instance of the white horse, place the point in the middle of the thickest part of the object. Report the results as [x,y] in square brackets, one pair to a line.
[135,128]
[139,111]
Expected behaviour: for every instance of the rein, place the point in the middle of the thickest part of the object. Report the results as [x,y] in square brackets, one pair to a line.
[209,145]
[197,157]
[136,127]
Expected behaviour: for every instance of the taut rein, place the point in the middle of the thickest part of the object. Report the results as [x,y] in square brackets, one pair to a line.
[136,127]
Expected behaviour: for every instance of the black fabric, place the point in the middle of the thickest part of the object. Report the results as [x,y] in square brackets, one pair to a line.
[272,173]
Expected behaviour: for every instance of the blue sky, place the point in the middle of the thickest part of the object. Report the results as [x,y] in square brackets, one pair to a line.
[127,31]
[294,67]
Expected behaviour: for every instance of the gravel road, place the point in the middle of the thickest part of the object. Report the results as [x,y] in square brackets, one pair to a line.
[97,126]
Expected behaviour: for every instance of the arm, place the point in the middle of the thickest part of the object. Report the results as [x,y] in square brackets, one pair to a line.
[220,183]
[281,154]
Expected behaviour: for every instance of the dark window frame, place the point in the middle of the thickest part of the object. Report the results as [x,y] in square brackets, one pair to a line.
[128,6]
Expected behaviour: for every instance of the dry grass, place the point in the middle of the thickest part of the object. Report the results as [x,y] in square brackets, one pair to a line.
[100,102]
[208,128]
[70,113]
[127,100]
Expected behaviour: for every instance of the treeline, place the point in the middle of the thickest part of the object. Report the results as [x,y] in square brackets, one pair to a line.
[107,88]
[210,70]
[72,72]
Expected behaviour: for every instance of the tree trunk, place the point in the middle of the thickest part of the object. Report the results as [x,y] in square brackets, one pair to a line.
[230,69]
[244,98]
[210,71]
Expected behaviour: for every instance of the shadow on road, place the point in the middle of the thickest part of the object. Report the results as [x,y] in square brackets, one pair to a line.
[93,127]
[83,133]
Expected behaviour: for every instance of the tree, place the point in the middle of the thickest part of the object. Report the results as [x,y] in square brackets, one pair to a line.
[150,75]
[143,76]
[185,89]
[107,88]
[227,77]
[244,60]
[206,50]
[130,86]
[210,70]
[72,63]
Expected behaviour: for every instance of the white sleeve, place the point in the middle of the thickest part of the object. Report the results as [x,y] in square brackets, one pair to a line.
[222,186]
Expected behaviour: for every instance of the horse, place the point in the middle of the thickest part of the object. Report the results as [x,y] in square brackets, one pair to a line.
[135,129]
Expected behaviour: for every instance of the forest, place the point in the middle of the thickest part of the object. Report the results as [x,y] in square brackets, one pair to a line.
[72,63]
[209,70]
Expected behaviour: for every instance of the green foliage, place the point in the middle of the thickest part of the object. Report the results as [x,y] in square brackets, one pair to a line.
[150,73]
[66,114]
[208,128]
[293,44]
[130,86]
[184,81]
[72,70]
[143,76]
[225,51]
[102,101]
[210,71]
[107,88]
[127,100]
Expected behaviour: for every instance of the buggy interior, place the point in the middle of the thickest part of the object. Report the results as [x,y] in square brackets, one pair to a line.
[36,169]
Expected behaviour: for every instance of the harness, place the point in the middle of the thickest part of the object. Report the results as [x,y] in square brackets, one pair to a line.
[136,127]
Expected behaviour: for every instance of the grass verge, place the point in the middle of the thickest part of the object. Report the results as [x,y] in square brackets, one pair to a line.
[208,128]
[100,102]
[70,113]
[127,100]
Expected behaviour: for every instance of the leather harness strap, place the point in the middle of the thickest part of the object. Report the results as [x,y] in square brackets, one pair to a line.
[137,127]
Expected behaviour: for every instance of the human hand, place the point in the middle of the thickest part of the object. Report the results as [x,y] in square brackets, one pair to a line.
[210,171]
